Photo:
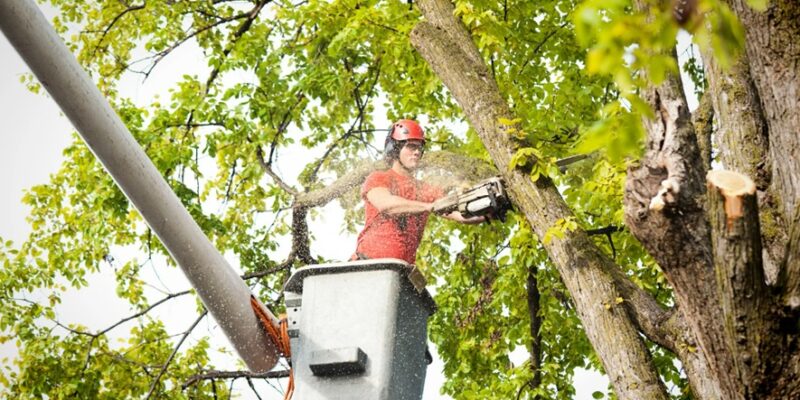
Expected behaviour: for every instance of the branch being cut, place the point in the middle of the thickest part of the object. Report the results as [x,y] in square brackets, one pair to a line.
[442,168]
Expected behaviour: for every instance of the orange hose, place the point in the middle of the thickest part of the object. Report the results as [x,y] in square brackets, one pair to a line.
[279,335]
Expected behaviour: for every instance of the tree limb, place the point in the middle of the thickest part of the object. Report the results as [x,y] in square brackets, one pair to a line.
[703,122]
[444,168]
[535,327]
[280,267]
[275,178]
[664,210]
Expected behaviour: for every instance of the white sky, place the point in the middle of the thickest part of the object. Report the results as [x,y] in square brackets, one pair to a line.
[34,134]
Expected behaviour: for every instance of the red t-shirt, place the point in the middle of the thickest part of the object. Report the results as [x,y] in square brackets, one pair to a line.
[395,236]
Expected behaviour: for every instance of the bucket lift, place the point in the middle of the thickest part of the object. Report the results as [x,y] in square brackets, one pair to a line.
[358,330]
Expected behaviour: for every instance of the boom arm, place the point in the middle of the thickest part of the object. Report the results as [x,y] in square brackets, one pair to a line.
[223,292]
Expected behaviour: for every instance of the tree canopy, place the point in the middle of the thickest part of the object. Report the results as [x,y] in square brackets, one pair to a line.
[309,85]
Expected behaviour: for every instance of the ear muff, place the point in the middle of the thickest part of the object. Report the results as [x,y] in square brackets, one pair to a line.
[391,148]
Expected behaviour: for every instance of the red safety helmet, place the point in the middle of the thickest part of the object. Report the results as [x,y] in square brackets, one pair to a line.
[400,132]
[406,129]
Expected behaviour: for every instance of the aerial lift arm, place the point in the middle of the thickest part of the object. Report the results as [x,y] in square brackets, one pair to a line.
[221,289]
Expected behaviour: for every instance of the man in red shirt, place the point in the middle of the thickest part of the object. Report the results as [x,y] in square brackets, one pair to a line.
[397,205]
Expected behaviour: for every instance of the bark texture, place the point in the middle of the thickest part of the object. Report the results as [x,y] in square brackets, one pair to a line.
[742,136]
[774,59]
[774,55]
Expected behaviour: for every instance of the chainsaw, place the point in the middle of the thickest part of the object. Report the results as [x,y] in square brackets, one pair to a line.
[488,198]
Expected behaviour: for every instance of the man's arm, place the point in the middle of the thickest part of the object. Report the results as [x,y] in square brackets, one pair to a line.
[387,203]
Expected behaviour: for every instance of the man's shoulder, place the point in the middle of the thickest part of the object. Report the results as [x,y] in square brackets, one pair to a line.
[380,173]
[378,178]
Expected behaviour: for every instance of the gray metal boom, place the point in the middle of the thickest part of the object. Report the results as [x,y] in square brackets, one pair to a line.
[223,292]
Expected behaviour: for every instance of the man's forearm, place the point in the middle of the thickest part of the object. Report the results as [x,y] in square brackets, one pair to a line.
[390,204]
[399,205]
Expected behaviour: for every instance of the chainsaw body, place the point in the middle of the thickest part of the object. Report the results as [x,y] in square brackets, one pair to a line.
[487,198]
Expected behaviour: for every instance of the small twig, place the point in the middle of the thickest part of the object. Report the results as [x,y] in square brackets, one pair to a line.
[539,46]
[172,355]
[278,268]
[113,22]
[230,182]
[603,231]
[361,105]
[250,383]
[163,53]
[143,312]
[607,231]
[268,170]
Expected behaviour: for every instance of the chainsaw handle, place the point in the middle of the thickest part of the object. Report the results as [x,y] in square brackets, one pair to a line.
[445,205]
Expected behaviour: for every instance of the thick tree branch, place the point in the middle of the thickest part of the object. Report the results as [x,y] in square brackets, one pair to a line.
[773,55]
[445,44]
[300,242]
[214,375]
[442,168]
[535,327]
[664,210]
[742,130]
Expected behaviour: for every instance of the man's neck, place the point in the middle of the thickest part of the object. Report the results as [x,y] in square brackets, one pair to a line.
[398,167]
